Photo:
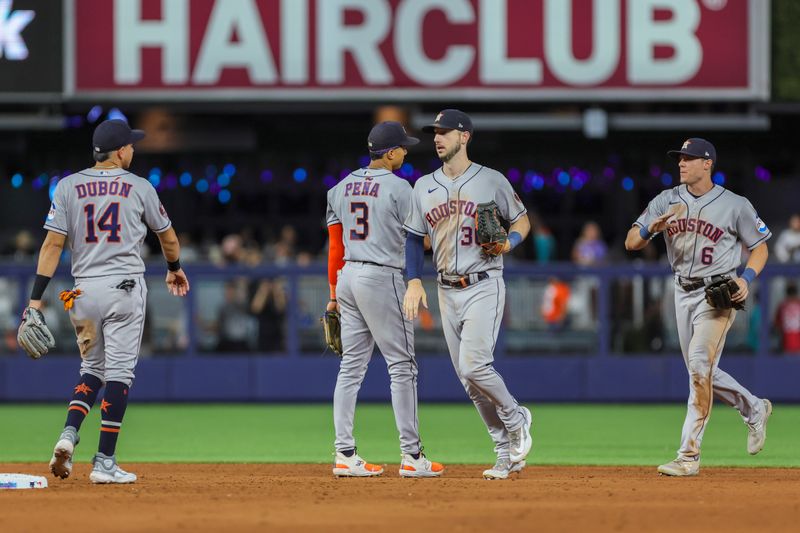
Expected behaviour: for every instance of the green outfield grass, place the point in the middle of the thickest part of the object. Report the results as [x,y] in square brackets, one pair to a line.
[563,434]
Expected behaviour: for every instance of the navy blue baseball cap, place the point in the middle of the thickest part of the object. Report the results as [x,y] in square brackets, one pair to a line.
[387,135]
[450,119]
[696,147]
[114,134]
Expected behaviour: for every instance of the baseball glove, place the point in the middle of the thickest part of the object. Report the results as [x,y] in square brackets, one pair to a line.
[332,327]
[33,335]
[718,294]
[489,230]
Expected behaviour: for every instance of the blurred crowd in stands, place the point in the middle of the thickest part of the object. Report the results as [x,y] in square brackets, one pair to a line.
[242,314]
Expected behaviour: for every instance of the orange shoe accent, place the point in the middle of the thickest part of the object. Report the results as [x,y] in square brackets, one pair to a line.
[104,406]
[78,408]
[371,468]
[437,467]
[410,468]
[68,297]
[110,430]
[83,388]
[341,466]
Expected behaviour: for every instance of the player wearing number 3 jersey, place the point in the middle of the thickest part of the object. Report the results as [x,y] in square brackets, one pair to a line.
[365,224]
[103,214]
[705,226]
[471,288]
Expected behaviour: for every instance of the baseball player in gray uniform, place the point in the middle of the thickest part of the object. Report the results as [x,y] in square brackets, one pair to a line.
[471,287]
[365,218]
[103,214]
[705,226]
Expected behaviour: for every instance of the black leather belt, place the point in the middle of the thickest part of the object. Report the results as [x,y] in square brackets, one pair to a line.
[464,281]
[692,284]
[373,264]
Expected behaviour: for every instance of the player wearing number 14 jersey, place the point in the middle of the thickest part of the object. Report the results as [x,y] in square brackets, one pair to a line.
[103,214]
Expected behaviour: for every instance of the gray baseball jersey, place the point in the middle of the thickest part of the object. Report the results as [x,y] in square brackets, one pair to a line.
[371,204]
[105,215]
[705,240]
[444,209]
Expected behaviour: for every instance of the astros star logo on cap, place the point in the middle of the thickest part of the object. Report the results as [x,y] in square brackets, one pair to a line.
[439,117]
[686,144]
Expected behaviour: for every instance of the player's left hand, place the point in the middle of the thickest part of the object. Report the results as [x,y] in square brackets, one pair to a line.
[177,283]
[741,294]
[333,305]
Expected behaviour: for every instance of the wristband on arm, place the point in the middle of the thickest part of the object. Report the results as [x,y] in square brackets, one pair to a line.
[645,234]
[514,238]
[39,285]
[749,275]
[174,266]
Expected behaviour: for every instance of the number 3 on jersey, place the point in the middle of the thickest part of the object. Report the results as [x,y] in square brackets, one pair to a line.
[362,219]
[108,222]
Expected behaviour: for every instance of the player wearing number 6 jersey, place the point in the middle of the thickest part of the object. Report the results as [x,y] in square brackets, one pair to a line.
[471,288]
[103,214]
[365,218]
[705,226]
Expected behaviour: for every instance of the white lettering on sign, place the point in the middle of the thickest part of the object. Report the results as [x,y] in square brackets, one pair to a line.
[170,34]
[235,37]
[12,45]
[495,65]
[409,42]
[362,41]
[678,33]
[250,52]
[602,62]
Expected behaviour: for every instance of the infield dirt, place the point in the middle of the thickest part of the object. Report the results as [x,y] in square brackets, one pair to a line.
[281,497]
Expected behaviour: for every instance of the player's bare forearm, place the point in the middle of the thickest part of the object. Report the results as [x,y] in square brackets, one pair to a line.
[521,226]
[634,240]
[50,254]
[758,258]
[170,246]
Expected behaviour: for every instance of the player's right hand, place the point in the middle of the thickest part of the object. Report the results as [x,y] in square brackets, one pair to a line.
[667,220]
[414,293]
[177,283]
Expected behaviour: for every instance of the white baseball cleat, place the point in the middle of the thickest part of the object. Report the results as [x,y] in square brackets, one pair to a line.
[757,433]
[422,467]
[354,466]
[106,470]
[503,468]
[520,439]
[61,462]
[680,468]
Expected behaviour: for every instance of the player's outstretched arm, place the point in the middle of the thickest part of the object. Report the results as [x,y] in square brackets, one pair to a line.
[177,281]
[638,237]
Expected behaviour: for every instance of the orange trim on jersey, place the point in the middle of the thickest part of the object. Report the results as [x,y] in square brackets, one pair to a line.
[110,430]
[78,408]
[335,255]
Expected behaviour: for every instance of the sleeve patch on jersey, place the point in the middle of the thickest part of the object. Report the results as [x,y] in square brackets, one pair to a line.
[516,197]
[162,210]
[52,214]
[761,226]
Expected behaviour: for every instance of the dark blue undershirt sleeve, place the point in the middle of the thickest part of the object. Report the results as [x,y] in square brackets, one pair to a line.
[415,255]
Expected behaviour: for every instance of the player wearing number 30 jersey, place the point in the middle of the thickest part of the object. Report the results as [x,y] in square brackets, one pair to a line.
[705,226]
[471,288]
[103,214]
